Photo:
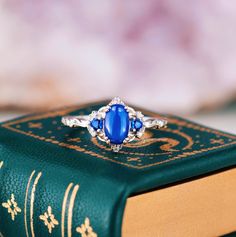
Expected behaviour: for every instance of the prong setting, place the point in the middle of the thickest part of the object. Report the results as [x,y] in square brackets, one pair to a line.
[116,148]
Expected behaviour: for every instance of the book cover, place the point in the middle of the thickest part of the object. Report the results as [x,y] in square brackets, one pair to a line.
[58,181]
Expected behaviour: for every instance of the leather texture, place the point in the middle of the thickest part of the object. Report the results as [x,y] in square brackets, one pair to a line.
[58,181]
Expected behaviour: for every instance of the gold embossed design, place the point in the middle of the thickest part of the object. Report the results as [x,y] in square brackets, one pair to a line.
[217,141]
[177,144]
[64,209]
[85,229]
[49,219]
[69,210]
[1,164]
[169,143]
[77,139]
[12,207]
[32,198]
[35,125]
[25,208]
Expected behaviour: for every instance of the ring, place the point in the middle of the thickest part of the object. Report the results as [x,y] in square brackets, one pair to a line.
[116,124]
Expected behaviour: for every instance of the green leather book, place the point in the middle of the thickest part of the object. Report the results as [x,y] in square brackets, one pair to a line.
[57,181]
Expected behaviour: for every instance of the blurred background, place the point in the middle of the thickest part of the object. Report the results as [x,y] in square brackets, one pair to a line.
[170,56]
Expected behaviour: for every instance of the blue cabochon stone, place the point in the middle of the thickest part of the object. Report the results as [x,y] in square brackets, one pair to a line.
[116,124]
[136,124]
[96,124]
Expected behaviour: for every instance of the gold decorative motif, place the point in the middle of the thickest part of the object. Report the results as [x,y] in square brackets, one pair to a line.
[12,207]
[70,210]
[217,141]
[35,125]
[170,143]
[147,140]
[1,164]
[25,208]
[49,219]
[76,139]
[64,209]
[86,230]
[32,204]
[167,147]
[130,145]
[129,159]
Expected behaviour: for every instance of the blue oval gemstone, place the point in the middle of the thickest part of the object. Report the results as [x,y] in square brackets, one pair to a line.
[116,124]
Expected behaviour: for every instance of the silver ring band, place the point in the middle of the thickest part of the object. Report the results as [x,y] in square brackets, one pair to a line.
[115,124]
[84,121]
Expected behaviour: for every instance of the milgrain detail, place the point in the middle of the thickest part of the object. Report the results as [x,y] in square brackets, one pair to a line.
[25,208]
[32,198]
[64,209]
[1,165]
[70,210]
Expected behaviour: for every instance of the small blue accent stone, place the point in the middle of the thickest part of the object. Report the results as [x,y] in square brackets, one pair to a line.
[136,124]
[96,124]
[116,124]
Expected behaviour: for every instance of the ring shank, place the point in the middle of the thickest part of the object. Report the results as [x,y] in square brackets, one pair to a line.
[155,123]
[83,121]
[76,121]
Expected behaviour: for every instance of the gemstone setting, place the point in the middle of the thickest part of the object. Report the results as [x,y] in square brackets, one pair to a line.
[116,124]
[136,124]
[96,124]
